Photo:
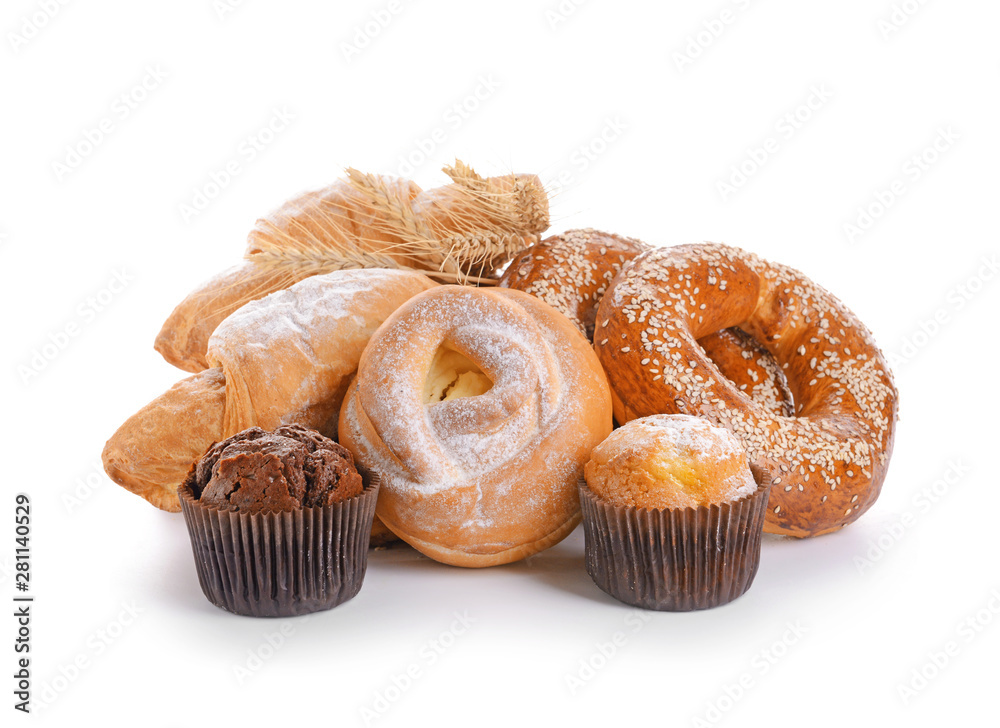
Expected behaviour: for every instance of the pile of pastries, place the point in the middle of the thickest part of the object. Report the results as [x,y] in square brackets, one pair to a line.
[480,412]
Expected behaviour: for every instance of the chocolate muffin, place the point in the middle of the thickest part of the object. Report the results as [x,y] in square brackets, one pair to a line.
[279,522]
[290,468]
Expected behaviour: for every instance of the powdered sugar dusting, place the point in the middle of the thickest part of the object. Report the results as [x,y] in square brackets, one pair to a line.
[458,467]
[687,434]
[287,357]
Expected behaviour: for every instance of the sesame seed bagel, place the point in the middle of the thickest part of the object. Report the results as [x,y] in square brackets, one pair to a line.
[829,460]
[570,272]
[750,367]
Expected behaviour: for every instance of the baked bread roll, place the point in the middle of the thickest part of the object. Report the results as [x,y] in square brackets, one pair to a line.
[670,461]
[478,408]
[284,359]
[183,339]
[459,232]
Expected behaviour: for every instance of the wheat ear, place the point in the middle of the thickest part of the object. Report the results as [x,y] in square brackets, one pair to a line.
[479,221]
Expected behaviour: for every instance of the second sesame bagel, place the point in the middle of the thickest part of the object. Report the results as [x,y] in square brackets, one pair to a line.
[571,272]
[828,460]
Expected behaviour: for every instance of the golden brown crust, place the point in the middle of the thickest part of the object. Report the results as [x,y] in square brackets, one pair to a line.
[571,272]
[669,461]
[316,216]
[831,459]
[282,360]
[460,556]
[750,367]
[153,450]
[466,228]
[381,535]
[481,480]
[183,339]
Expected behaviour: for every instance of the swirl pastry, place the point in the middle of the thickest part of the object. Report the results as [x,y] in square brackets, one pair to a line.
[478,408]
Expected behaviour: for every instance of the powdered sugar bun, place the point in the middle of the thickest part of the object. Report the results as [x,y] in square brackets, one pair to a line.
[484,479]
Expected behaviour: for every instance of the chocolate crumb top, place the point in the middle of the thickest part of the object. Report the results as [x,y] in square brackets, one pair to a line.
[287,469]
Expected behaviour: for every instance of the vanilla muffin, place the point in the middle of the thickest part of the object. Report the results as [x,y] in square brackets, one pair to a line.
[669,461]
[672,514]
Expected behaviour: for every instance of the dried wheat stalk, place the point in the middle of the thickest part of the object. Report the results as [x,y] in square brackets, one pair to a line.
[461,232]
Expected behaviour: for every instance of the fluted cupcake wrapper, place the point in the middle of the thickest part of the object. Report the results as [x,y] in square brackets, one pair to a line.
[281,564]
[678,559]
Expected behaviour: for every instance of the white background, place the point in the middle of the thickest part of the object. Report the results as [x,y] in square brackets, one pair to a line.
[632,137]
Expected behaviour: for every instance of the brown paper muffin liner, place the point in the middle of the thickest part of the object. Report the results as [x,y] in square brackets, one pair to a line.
[281,564]
[678,559]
